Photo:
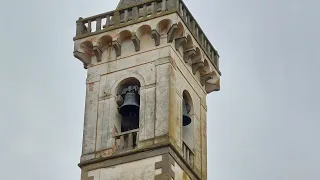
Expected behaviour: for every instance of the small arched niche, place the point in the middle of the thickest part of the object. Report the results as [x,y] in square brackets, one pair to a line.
[127,46]
[163,26]
[128,100]
[144,35]
[187,120]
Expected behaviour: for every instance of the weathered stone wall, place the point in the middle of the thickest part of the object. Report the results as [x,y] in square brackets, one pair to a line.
[142,169]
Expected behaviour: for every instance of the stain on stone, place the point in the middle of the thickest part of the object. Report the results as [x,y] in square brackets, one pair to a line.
[91,86]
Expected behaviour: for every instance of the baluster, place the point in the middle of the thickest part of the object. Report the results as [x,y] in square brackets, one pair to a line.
[193,26]
[181,9]
[107,21]
[185,15]
[137,139]
[154,8]
[116,18]
[130,141]
[197,33]
[135,13]
[188,155]
[89,26]
[122,142]
[98,24]
[164,5]
[201,39]
[126,15]
[145,10]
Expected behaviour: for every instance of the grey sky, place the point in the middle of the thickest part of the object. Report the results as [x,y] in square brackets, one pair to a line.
[262,125]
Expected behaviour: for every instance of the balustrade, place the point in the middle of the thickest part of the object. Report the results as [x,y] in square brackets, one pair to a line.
[139,12]
[187,154]
[126,140]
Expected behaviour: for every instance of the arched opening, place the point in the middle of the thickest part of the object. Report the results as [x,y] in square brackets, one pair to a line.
[144,35]
[127,46]
[129,104]
[128,100]
[163,26]
[188,127]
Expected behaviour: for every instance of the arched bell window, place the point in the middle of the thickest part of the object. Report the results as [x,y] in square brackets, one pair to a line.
[129,104]
[186,108]
[187,127]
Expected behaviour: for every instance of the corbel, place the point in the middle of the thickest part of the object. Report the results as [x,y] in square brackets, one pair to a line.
[188,54]
[171,32]
[180,41]
[196,67]
[136,42]
[98,52]
[156,37]
[204,78]
[85,58]
[117,47]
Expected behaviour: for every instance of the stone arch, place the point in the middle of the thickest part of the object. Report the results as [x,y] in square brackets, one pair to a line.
[128,105]
[188,131]
[116,84]
[144,34]
[186,95]
[163,26]
[87,47]
[175,31]
[105,42]
[124,35]
[128,45]
[105,47]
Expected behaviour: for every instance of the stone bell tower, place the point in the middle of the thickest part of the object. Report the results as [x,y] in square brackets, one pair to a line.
[150,67]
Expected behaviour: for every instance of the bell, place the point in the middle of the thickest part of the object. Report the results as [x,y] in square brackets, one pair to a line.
[130,106]
[186,120]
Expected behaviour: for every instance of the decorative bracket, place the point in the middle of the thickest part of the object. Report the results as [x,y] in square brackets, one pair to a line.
[136,42]
[204,78]
[188,54]
[196,67]
[83,57]
[171,32]
[156,36]
[98,52]
[180,41]
[117,47]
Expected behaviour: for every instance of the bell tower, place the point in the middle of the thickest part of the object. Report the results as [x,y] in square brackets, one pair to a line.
[149,68]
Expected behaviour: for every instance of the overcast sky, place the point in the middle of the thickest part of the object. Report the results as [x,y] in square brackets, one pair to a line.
[263,124]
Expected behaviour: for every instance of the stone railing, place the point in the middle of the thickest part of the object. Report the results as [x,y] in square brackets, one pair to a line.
[188,155]
[114,19]
[126,140]
[142,12]
[197,32]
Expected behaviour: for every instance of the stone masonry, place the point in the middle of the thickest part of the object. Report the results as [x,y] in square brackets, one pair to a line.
[158,45]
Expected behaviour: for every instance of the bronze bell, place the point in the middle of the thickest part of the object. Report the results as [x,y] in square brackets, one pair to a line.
[130,106]
[186,120]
